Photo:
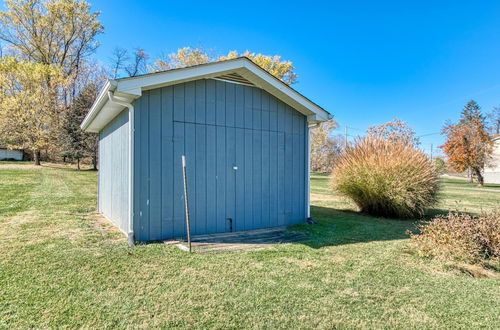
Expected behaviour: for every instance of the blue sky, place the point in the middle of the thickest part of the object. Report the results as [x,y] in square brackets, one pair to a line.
[364,61]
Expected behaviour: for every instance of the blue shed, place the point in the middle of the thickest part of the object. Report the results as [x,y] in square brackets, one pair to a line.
[245,136]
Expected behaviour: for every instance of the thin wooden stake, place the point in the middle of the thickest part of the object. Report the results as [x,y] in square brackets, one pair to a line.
[186,203]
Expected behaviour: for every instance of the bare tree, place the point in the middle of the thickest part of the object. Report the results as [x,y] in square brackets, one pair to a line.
[119,59]
[396,131]
[494,120]
[324,147]
[90,71]
[139,63]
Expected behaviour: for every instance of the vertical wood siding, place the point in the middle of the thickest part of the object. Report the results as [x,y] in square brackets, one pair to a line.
[113,171]
[218,126]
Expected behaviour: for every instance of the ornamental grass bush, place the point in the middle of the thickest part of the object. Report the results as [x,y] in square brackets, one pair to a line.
[460,237]
[386,178]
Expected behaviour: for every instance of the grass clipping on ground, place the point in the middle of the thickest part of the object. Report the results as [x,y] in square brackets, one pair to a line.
[386,178]
[462,238]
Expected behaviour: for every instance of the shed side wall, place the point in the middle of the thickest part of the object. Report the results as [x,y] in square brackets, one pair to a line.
[113,171]
[217,125]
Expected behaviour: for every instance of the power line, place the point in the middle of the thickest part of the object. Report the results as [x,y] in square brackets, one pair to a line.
[347,128]
[356,129]
[350,127]
[429,134]
[345,139]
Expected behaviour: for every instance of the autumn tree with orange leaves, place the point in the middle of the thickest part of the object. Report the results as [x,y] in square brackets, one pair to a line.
[468,145]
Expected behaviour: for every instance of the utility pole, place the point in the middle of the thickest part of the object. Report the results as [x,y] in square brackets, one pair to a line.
[345,140]
[431,151]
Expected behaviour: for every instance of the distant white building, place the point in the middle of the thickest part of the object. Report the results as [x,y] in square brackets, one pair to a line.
[7,154]
[492,171]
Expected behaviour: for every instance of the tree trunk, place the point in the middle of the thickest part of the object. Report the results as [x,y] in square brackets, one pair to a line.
[78,164]
[64,159]
[470,175]
[94,162]
[479,175]
[36,157]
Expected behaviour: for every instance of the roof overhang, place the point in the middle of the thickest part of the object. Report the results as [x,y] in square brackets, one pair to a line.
[129,89]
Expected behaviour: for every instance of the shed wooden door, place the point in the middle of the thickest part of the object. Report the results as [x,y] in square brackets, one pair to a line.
[210,157]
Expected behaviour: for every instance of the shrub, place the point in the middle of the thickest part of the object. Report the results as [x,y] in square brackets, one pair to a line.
[460,237]
[386,178]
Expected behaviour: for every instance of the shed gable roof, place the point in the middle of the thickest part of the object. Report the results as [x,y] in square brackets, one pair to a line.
[239,70]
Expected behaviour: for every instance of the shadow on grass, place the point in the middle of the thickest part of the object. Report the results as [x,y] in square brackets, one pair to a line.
[335,227]
[339,227]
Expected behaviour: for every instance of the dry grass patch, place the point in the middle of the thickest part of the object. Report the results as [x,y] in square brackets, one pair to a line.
[102,225]
[304,264]
[318,197]
[19,220]
[18,166]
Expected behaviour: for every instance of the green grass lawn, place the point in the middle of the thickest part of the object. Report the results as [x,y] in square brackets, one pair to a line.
[63,266]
